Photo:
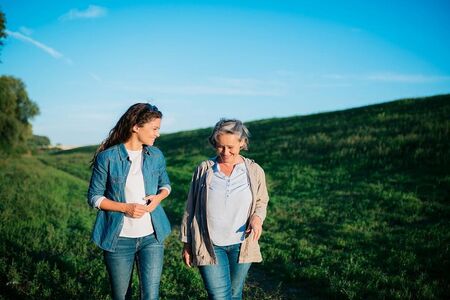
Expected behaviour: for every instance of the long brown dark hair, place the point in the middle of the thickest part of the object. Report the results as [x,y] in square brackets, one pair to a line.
[138,114]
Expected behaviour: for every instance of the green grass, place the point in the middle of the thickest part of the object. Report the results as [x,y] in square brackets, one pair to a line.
[359,209]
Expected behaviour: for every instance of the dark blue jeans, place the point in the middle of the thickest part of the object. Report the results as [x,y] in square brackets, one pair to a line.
[148,254]
[225,280]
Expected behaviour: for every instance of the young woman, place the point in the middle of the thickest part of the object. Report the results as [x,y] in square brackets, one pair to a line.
[129,181]
[225,210]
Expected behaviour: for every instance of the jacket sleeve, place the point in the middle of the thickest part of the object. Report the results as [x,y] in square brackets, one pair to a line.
[189,211]
[163,180]
[262,195]
[97,185]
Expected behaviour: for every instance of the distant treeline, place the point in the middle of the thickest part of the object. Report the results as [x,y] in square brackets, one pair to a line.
[17,109]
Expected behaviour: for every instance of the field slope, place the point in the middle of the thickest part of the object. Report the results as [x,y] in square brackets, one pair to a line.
[359,209]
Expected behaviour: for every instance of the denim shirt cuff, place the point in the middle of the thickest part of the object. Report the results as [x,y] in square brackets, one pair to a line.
[97,200]
[166,187]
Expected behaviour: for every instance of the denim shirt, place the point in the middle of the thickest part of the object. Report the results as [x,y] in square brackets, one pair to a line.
[108,179]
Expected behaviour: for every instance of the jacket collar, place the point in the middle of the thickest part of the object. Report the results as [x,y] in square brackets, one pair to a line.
[123,154]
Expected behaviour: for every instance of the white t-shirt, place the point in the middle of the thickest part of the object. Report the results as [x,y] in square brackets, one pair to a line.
[134,193]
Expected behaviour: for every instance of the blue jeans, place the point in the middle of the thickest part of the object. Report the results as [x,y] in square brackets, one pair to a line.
[148,254]
[225,280]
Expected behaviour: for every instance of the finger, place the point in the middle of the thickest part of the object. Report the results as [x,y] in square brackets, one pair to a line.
[187,260]
[257,234]
[141,208]
[149,197]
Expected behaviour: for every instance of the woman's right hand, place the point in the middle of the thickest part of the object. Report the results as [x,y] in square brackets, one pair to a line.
[135,210]
[187,255]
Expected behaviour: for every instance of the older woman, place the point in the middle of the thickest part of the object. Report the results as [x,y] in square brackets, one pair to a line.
[225,210]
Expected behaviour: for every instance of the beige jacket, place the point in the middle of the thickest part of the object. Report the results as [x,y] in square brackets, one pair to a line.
[194,228]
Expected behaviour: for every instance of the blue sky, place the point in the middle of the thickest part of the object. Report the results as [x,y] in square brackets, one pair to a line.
[85,62]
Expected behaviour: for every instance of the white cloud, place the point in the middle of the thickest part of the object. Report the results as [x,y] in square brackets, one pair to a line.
[327,85]
[216,86]
[92,12]
[26,30]
[335,76]
[47,49]
[406,78]
[95,77]
[388,77]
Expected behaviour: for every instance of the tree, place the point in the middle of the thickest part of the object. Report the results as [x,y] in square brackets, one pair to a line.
[39,141]
[2,28]
[17,109]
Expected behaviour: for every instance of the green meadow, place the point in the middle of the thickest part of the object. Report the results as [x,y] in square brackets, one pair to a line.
[359,209]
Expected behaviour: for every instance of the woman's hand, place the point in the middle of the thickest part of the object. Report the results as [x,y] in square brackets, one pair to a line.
[152,202]
[187,255]
[255,225]
[135,210]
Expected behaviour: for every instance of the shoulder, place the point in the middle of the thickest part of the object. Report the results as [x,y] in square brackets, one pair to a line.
[207,163]
[204,166]
[153,150]
[253,166]
[108,154]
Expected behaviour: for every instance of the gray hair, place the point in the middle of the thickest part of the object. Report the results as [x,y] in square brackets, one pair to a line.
[232,126]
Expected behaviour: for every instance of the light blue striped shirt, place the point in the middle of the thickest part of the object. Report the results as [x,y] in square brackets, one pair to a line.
[228,205]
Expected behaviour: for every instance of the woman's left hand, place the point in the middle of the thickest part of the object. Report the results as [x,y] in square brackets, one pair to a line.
[255,226]
[152,202]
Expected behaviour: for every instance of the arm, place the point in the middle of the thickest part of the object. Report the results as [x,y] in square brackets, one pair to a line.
[155,200]
[185,232]
[257,219]
[97,184]
[262,196]
[164,188]
[97,188]
[133,210]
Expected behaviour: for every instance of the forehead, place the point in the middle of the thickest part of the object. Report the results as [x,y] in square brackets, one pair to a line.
[153,122]
[227,139]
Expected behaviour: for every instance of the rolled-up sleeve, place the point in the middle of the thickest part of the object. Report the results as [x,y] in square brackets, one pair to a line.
[97,185]
[163,180]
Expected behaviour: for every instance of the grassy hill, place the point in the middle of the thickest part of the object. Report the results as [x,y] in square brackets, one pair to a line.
[359,209]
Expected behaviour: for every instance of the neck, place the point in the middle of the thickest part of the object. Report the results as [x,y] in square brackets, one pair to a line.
[133,145]
[236,161]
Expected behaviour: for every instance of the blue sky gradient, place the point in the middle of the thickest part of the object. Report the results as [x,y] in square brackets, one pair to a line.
[85,62]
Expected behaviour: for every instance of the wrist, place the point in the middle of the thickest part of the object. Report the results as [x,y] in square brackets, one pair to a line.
[257,219]
[158,198]
[123,207]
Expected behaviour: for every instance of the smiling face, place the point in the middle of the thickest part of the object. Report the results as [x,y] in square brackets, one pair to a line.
[228,146]
[149,132]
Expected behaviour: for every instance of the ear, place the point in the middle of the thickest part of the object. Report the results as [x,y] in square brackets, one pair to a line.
[135,128]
